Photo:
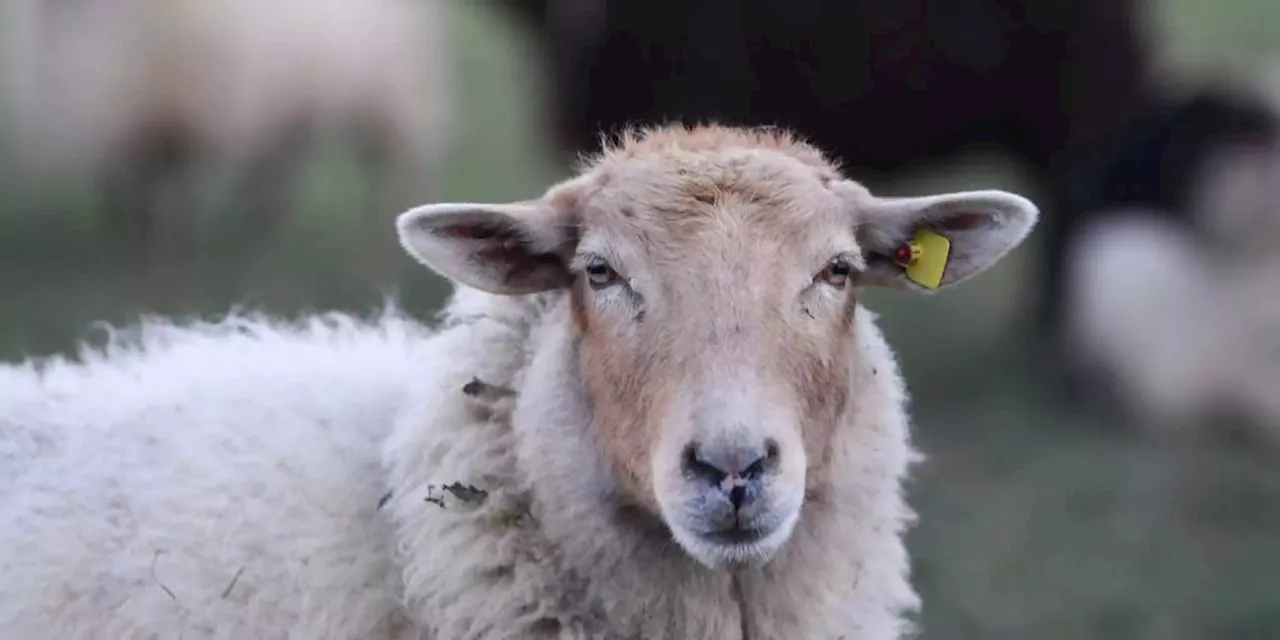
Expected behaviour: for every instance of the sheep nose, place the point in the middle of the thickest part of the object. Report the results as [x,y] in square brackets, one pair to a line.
[736,471]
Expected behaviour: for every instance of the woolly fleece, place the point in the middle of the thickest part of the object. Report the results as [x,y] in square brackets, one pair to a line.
[223,481]
[204,480]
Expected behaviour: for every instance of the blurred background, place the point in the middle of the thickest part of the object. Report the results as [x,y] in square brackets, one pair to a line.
[1100,411]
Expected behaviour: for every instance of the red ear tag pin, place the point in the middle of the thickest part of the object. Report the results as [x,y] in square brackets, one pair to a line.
[906,254]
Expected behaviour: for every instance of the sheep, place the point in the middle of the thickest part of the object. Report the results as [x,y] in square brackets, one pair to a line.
[139,96]
[1180,338]
[1160,165]
[1173,308]
[653,407]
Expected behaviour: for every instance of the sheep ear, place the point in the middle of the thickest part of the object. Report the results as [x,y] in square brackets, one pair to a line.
[950,237]
[507,249]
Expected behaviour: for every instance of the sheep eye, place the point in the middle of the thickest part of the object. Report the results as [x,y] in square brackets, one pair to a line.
[837,272]
[600,274]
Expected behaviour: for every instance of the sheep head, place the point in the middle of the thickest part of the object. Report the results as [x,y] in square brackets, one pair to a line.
[713,278]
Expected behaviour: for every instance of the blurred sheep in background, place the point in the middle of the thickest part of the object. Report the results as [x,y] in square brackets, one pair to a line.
[142,96]
[1174,304]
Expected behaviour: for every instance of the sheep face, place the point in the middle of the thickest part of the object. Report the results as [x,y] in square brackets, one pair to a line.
[713,292]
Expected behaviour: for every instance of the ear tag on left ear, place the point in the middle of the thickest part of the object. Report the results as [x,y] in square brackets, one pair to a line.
[925,258]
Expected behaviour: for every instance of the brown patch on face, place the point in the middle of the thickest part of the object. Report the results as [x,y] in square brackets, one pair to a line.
[577,305]
[850,307]
[818,369]
[824,386]
[629,392]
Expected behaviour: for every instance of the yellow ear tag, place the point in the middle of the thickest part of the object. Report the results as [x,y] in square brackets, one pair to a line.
[925,258]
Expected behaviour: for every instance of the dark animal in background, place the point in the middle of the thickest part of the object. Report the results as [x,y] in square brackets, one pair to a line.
[1154,160]
[1160,174]
[886,84]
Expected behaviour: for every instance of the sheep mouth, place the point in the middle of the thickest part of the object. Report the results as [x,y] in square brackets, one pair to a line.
[739,544]
[736,535]
[719,540]
[736,546]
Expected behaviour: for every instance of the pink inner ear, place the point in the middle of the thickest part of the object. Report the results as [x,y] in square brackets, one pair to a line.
[471,230]
[963,221]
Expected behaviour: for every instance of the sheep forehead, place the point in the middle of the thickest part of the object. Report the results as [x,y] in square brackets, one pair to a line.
[730,210]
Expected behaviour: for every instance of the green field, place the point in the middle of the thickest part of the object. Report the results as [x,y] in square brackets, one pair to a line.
[1034,523]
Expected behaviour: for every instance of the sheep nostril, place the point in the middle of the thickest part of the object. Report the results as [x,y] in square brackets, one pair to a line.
[700,468]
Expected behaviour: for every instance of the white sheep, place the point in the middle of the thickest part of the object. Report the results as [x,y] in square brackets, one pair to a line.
[207,480]
[1182,322]
[653,408]
[138,94]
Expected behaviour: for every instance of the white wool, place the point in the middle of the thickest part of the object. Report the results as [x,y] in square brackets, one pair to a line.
[223,481]
[81,76]
[1184,332]
[1134,276]
[204,480]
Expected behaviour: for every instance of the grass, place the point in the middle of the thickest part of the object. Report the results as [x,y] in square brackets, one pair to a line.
[1035,523]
